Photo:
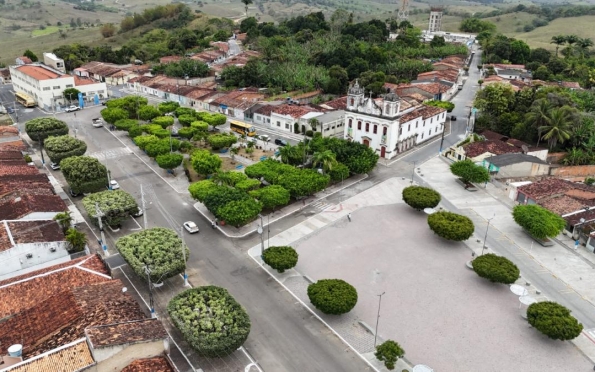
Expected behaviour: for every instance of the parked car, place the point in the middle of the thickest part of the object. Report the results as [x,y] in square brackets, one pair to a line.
[264,138]
[104,103]
[73,194]
[54,166]
[10,110]
[97,123]
[72,108]
[191,227]
[138,213]
[453,118]
[280,142]
[113,185]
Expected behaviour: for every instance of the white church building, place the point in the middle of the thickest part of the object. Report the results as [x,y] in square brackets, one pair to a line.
[389,124]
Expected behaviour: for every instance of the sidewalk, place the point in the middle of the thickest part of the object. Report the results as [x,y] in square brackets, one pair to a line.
[241,232]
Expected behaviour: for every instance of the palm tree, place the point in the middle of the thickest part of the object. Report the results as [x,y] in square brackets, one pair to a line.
[287,153]
[64,219]
[558,127]
[76,240]
[558,40]
[246,3]
[325,158]
[540,110]
[313,124]
[583,46]
[572,39]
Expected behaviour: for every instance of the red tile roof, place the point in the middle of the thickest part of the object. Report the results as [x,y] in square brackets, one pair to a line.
[493,147]
[545,188]
[337,103]
[7,131]
[133,332]
[265,110]
[12,145]
[19,204]
[79,81]
[23,232]
[294,111]
[170,59]
[563,204]
[25,59]
[33,184]
[575,218]
[71,357]
[157,364]
[222,45]
[38,72]
[11,155]
[17,169]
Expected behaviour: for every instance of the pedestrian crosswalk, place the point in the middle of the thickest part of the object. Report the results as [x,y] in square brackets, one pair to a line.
[110,154]
[321,206]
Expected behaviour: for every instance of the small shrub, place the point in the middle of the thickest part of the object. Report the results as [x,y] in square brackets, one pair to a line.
[332,296]
[280,258]
[496,269]
[389,352]
[553,320]
[451,226]
[419,197]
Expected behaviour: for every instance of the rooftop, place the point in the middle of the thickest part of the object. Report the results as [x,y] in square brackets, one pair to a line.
[562,204]
[265,110]
[493,147]
[132,332]
[13,145]
[19,204]
[547,187]
[39,72]
[157,364]
[514,158]
[337,103]
[29,232]
[72,357]
[25,59]
[294,111]
[575,218]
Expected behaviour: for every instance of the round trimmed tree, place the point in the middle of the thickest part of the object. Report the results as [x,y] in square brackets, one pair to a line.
[157,249]
[41,128]
[116,206]
[468,171]
[210,320]
[538,221]
[553,320]
[84,174]
[63,147]
[419,197]
[496,269]
[451,226]
[280,258]
[389,352]
[199,190]
[332,296]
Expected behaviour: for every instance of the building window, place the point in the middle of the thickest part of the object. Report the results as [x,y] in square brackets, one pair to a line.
[416,124]
[375,129]
[46,88]
[359,125]
[69,85]
[269,120]
[431,120]
[56,87]
[384,129]
[367,127]
[350,120]
[430,132]
[278,123]
[400,130]
[422,136]
[408,127]
[286,126]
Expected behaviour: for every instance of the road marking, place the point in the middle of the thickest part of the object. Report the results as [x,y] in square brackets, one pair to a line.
[321,206]
[110,154]
[566,291]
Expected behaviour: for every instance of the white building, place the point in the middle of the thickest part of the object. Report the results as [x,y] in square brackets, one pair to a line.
[45,85]
[390,125]
[435,20]
[285,117]
[50,59]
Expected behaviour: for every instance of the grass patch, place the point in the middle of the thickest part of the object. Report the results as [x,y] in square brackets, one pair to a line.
[46,31]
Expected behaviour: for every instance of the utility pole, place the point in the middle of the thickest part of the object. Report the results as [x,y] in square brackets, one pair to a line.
[184,256]
[142,198]
[98,215]
[378,317]
[151,303]
[261,232]
[412,173]
[442,139]
[16,113]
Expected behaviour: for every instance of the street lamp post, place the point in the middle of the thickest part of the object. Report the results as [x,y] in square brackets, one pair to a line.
[486,235]
[184,256]
[442,139]
[261,231]
[378,317]
[412,173]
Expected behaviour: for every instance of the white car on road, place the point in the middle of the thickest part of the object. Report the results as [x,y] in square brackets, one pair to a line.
[191,227]
[72,108]
[113,185]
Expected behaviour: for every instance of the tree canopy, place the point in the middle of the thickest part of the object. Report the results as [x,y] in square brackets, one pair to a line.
[538,221]
[84,174]
[332,296]
[41,128]
[469,171]
[553,320]
[62,147]
[389,352]
[280,258]
[115,205]
[451,226]
[496,269]
[419,197]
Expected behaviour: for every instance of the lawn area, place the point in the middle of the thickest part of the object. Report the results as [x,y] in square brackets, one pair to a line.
[512,24]
[47,31]
[542,36]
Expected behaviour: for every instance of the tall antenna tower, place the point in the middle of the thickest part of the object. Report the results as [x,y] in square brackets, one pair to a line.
[403,13]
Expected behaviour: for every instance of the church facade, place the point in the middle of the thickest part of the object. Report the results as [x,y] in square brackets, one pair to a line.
[389,124]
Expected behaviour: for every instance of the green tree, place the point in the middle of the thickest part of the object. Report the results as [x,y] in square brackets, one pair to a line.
[448,106]
[64,219]
[158,249]
[112,115]
[246,3]
[558,40]
[212,322]
[280,258]
[468,171]
[185,120]
[538,221]
[76,240]
[339,172]
[538,115]
[168,107]
[271,196]
[107,30]
[71,93]
[221,140]
[476,25]
[125,124]
[169,161]
[247,185]
[558,127]
[389,352]
[116,206]
[131,104]
[204,162]
[326,159]
[419,197]
[229,178]
[84,174]
[553,320]
[41,128]
[28,53]
[199,190]
[148,113]
[451,226]
[496,269]
[239,212]
[143,141]
[215,120]
[495,99]
[332,296]
[163,121]
[62,147]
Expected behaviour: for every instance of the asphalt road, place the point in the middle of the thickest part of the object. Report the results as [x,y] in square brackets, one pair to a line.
[22,114]
[284,335]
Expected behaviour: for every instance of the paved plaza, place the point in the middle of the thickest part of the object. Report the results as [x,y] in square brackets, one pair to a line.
[441,312]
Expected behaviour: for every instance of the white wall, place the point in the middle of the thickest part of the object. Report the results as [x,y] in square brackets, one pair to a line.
[15,259]
[282,122]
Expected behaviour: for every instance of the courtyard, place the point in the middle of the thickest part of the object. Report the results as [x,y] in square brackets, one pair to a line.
[440,311]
